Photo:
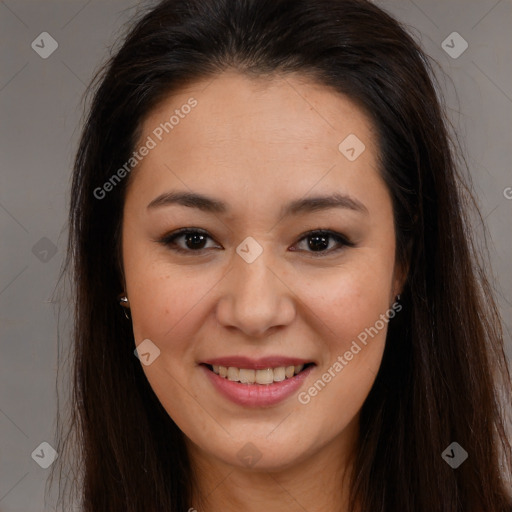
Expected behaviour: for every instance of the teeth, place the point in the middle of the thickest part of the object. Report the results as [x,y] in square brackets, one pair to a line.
[266,376]
[233,374]
[248,376]
[279,374]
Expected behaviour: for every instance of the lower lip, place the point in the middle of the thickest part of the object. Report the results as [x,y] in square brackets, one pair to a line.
[257,395]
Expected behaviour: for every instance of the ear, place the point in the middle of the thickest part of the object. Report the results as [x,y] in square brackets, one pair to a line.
[400,274]
[123,300]
[402,267]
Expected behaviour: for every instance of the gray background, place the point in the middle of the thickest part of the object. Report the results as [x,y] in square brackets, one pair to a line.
[40,112]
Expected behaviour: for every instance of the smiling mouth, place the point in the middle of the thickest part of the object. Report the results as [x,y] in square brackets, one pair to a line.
[264,377]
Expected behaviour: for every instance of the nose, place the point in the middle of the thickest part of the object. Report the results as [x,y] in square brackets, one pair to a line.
[255,297]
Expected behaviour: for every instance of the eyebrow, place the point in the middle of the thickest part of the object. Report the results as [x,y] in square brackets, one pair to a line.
[298,206]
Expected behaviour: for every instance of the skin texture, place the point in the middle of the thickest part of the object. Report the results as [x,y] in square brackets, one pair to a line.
[257,144]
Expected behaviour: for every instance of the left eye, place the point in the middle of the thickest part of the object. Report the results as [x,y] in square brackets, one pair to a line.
[317,241]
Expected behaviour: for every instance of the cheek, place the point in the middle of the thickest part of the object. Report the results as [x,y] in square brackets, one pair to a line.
[161,294]
[349,301]
[167,305]
[354,313]
[166,302]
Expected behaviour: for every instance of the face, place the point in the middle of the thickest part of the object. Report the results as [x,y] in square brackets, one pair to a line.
[287,260]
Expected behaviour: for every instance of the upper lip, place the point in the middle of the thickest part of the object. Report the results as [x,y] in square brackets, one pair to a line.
[256,364]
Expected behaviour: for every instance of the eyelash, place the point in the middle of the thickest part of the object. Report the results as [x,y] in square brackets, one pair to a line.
[169,241]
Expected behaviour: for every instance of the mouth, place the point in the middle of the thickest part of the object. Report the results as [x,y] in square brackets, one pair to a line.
[267,382]
[259,376]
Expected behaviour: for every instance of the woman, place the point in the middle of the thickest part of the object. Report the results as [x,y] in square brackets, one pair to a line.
[277,302]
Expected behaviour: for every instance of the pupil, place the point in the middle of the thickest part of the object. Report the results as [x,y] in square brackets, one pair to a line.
[195,238]
[316,245]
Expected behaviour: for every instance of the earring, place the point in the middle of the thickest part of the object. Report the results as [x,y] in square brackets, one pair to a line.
[123,301]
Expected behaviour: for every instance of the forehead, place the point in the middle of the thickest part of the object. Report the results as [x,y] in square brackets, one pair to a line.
[283,109]
[285,130]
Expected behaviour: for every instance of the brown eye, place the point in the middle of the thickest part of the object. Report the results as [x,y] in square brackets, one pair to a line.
[190,240]
[319,242]
[194,240]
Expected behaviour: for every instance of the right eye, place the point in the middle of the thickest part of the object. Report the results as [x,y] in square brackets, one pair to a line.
[193,240]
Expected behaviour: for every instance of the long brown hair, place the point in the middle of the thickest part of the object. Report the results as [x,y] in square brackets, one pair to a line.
[443,367]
